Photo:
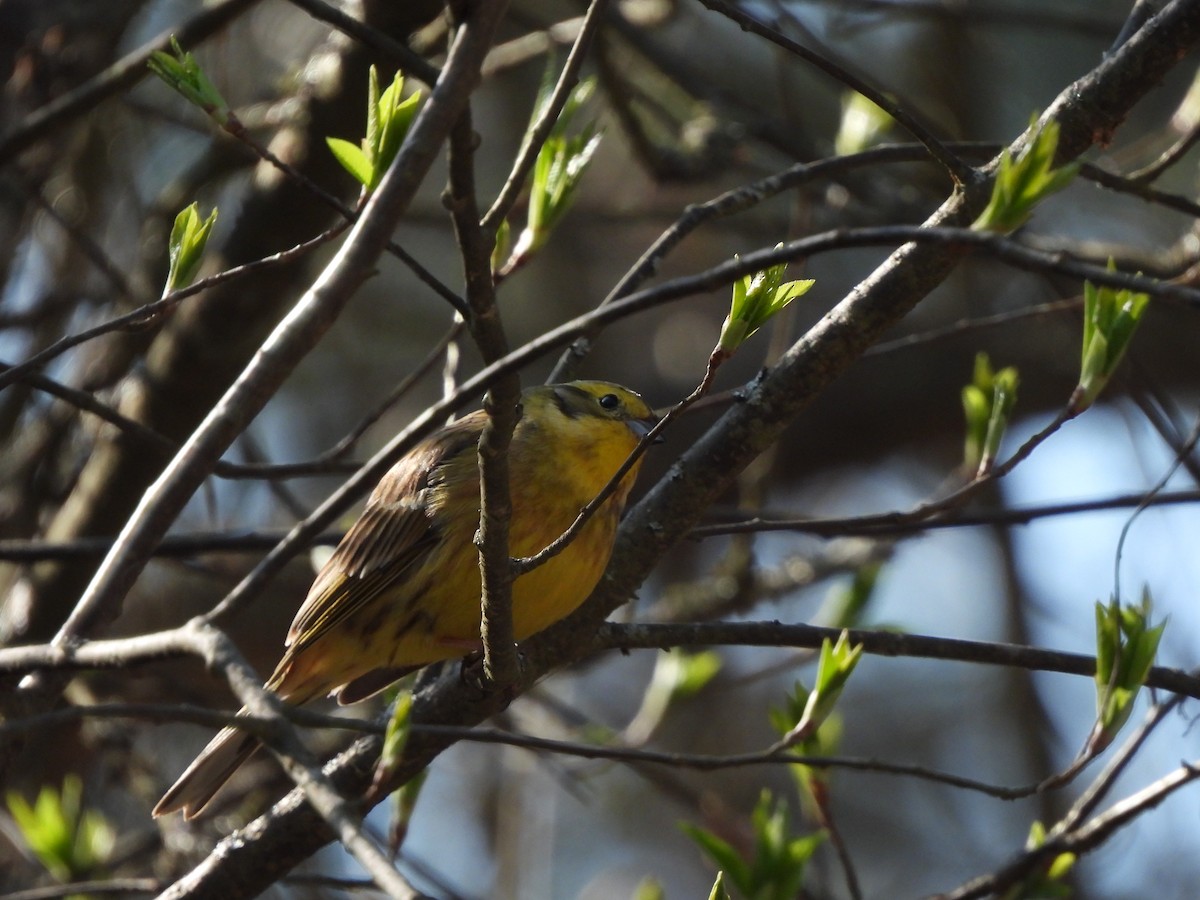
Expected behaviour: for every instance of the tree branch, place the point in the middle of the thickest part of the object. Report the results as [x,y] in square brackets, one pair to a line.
[503,405]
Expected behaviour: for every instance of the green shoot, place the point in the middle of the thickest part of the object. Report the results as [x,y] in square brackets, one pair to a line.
[183,74]
[649,888]
[1023,183]
[389,116]
[988,403]
[812,783]
[395,738]
[404,804]
[503,248]
[1125,650]
[756,298]
[557,172]
[834,668]
[185,247]
[1110,318]
[780,859]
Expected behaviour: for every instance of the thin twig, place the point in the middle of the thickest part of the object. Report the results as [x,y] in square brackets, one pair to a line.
[118,653]
[1087,802]
[502,403]
[614,636]
[898,524]
[1168,158]
[233,126]
[1083,839]
[136,318]
[959,171]
[183,712]
[547,117]
[843,855]
[423,368]
[116,78]
[714,762]
[1184,452]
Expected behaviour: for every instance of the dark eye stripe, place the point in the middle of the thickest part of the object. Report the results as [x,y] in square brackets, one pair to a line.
[564,406]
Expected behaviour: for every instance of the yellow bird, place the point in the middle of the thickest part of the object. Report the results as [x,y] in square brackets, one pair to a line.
[402,589]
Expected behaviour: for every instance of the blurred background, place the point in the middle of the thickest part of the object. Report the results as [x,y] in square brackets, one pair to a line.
[690,107]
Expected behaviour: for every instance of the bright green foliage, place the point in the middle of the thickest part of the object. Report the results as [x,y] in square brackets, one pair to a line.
[1110,318]
[1125,650]
[559,168]
[1048,881]
[862,125]
[988,403]
[71,842]
[556,174]
[184,75]
[776,871]
[1023,183]
[579,97]
[677,675]
[756,298]
[389,116]
[834,668]
[185,248]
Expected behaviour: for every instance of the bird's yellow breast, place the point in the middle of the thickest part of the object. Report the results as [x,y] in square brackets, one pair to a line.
[564,450]
[553,474]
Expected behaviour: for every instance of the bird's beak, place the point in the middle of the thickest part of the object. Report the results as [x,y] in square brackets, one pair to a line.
[641,427]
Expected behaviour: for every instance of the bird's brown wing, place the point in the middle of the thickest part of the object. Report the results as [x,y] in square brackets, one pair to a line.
[393,534]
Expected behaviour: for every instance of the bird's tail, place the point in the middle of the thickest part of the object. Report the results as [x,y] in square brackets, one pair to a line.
[208,771]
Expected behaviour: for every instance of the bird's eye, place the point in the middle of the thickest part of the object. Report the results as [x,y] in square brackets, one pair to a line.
[609,401]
